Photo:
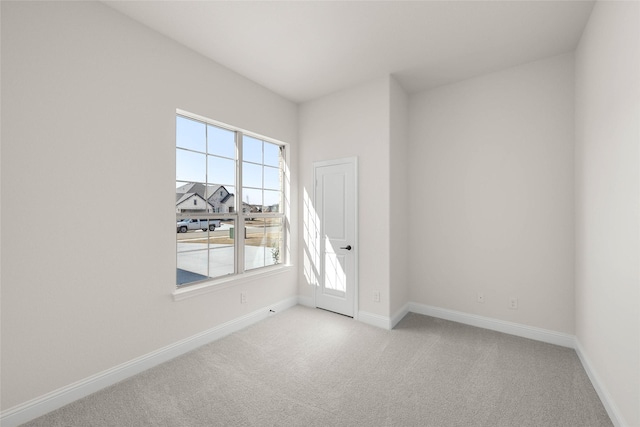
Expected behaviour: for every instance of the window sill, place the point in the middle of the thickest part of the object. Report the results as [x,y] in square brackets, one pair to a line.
[228,282]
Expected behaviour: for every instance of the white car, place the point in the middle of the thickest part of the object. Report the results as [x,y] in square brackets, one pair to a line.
[184,225]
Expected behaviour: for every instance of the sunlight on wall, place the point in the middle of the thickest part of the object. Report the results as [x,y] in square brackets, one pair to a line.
[286,206]
[311,233]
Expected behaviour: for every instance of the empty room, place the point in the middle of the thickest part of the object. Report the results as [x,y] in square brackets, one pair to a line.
[388,213]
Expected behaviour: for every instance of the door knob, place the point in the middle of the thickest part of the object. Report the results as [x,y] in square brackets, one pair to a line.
[348,247]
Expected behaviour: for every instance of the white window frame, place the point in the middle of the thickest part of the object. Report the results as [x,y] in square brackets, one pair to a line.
[240,275]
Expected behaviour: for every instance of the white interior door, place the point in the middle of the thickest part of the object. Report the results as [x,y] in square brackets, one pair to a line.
[336,206]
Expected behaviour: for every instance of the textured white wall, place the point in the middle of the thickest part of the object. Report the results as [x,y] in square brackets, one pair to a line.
[88,117]
[491,195]
[354,122]
[607,201]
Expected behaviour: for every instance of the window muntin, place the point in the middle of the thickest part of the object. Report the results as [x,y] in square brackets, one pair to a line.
[211,161]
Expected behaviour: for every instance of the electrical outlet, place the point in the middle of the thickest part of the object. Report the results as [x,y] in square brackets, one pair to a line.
[243,297]
[376,296]
[480,297]
[513,303]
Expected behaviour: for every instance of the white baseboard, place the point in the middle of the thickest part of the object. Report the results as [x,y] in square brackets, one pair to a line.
[538,334]
[362,316]
[374,320]
[399,315]
[306,301]
[41,405]
[612,409]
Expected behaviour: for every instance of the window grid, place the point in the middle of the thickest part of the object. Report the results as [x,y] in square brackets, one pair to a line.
[257,214]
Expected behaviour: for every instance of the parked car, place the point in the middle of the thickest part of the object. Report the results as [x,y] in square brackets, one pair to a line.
[184,225]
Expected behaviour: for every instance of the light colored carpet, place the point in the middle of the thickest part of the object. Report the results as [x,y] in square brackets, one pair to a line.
[308,367]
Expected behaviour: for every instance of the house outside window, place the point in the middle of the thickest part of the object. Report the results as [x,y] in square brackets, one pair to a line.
[239,178]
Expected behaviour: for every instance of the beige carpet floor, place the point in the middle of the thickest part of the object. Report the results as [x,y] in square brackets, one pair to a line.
[308,367]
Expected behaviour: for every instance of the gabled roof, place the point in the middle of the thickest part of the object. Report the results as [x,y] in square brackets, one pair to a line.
[181,198]
[192,187]
[227,197]
[206,192]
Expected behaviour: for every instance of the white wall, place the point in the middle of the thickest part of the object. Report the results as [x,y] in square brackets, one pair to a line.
[354,122]
[399,199]
[607,202]
[491,195]
[88,115]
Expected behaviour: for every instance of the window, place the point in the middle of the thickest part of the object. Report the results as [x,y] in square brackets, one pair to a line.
[236,181]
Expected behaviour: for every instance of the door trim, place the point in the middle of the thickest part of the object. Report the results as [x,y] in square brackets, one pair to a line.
[353,161]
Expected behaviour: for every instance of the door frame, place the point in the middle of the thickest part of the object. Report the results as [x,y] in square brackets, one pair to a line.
[334,162]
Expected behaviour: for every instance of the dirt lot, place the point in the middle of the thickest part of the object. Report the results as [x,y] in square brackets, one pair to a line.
[265,232]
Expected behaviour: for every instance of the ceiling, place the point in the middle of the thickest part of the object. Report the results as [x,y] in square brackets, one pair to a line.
[303,50]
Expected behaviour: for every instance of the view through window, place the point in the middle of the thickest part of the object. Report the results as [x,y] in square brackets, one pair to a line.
[226,181]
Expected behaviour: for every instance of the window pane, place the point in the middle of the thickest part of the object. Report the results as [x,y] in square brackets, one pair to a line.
[222,142]
[271,201]
[271,178]
[192,266]
[190,134]
[188,201]
[221,198]
[263,243]
[203,254]
[190,166]
[221,249]
[221,171]
[192,254]
[251,149]
[271,154]
[252,200]
[231,202]
[251,175]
